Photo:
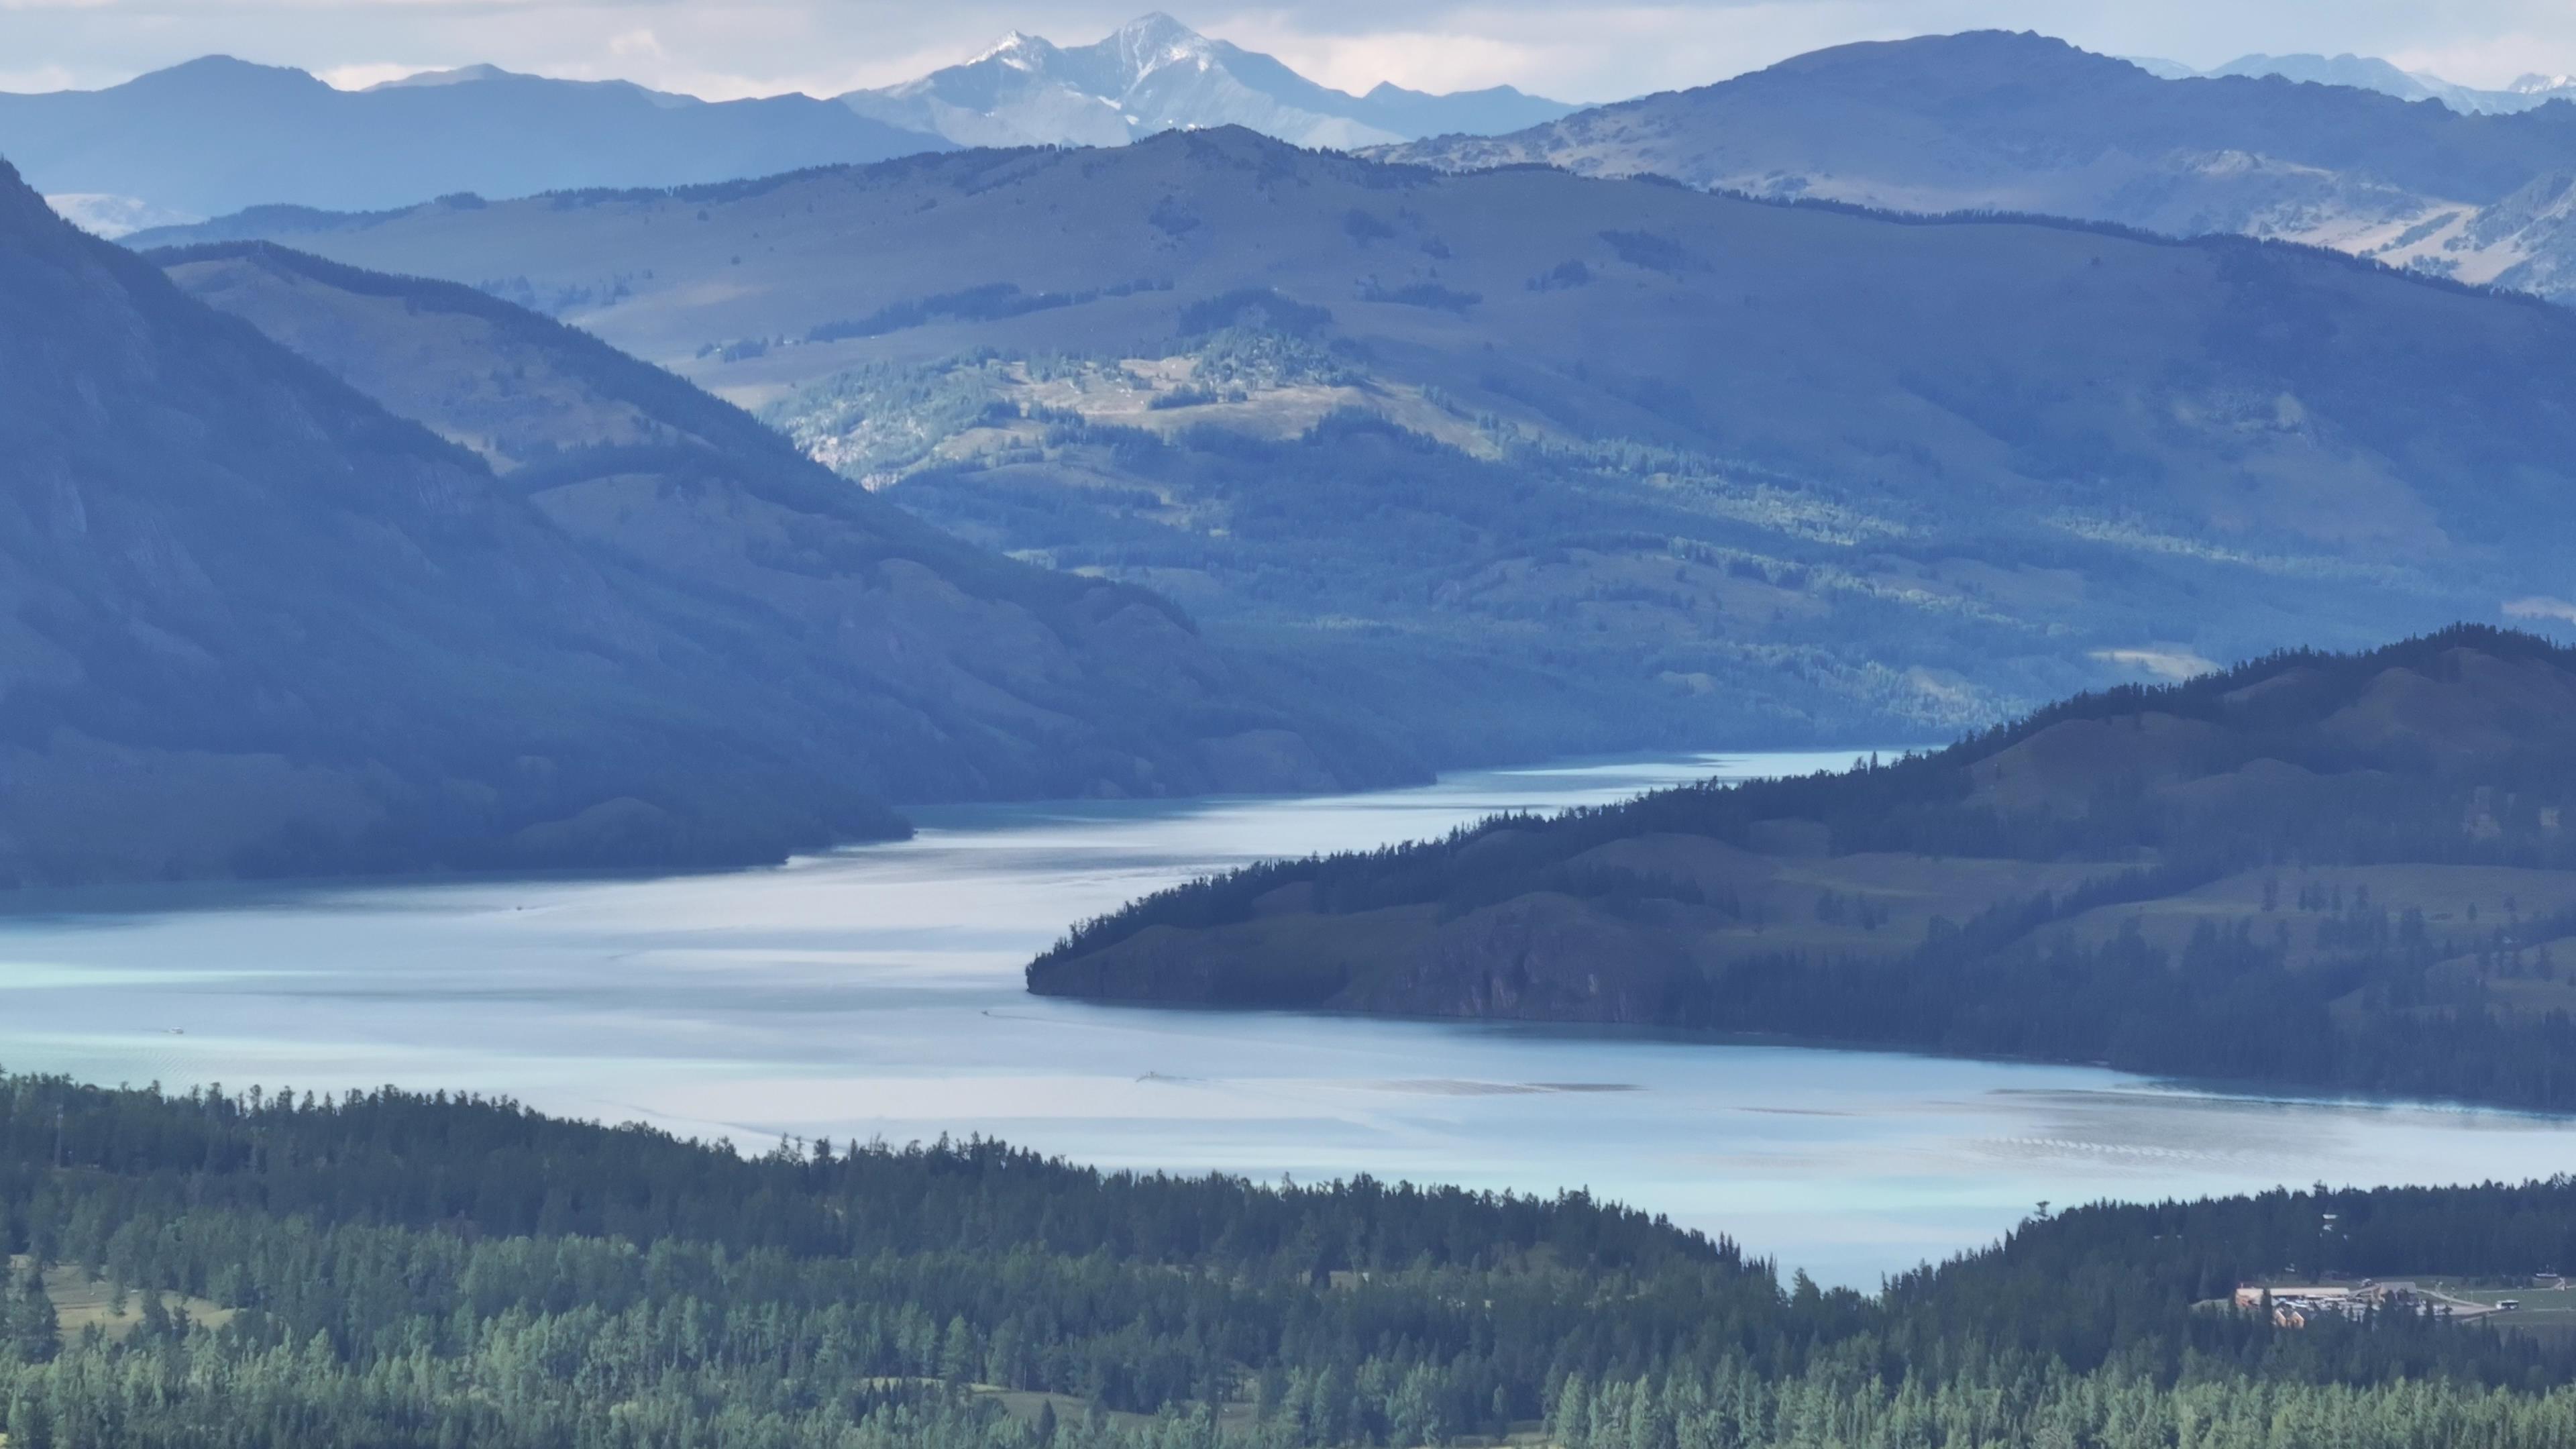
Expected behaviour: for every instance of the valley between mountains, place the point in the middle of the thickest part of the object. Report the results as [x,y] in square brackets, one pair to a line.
[566,610]
[1657,465]
[1743,769]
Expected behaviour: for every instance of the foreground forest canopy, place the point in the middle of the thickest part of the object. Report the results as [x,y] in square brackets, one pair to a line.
[397,1269]
[2348,872]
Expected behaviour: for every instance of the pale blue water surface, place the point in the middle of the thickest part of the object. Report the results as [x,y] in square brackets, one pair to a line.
[876,992]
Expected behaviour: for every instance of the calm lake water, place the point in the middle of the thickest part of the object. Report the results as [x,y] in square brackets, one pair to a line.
[876,992]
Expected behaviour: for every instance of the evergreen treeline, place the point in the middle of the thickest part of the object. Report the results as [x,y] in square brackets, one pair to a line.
[399,1269]
[2364,1010]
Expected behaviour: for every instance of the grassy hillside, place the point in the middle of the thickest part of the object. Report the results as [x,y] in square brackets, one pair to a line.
[1704,469]
[399,1270]
[1990,121]
[2331,871]
[259,624]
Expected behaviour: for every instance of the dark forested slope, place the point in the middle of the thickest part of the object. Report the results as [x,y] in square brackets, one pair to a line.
[2336,871]
[399,1270]
[1022,680]
[256,623]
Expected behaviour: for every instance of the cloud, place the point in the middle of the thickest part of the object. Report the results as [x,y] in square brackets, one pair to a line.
[2162,661]
[38,78]
[370,73]
[2540,607]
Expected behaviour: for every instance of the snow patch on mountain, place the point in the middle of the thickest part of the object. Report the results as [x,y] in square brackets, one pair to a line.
[1155,74]
[111,217]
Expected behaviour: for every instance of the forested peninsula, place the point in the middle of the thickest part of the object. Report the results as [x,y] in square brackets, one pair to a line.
[2322,871]
[398,1269]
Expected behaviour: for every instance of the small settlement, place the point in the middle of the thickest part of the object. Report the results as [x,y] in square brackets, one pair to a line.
[2296,1305]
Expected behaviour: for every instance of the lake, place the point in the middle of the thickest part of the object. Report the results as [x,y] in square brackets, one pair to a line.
[875,992]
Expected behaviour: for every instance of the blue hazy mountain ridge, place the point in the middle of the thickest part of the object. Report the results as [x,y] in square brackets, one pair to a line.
[1643,464]
[2368,72]
[1156,74]
[256,624]
[217,134]
[1995,121]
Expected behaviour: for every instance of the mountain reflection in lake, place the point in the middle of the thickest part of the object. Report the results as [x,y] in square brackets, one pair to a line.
[876,993]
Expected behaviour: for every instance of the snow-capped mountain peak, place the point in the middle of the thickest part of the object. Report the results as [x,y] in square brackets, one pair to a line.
[1018,50]
[1149,43]
[1156,74]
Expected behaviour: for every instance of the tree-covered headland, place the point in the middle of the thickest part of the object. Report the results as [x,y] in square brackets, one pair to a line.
[2350,872]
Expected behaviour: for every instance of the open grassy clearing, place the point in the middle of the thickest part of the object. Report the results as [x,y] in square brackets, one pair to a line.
[2549,1310]
[82,1302]
[2462,902]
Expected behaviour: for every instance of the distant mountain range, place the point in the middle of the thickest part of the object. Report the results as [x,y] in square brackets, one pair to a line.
[2370,73]
[1653,464]
[1156,74]
[1992,121]
[217,135]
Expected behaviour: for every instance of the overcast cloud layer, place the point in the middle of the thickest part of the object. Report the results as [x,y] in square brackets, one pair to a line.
[1569,49]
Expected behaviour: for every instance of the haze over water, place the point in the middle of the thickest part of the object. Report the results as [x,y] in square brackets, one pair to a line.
[876,992]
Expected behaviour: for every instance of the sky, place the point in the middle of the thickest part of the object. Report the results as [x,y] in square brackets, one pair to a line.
[1575,50]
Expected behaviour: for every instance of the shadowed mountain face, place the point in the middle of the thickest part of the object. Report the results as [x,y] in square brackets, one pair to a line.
[2350,872]
[216,135]
[1156,74]
[258,624]
[2022,123]
[1661,467]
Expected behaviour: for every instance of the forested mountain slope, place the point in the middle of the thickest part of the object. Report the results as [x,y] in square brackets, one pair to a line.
[1662,467]
[1035,682]
[2346,872]
[257,624]
[399,1270]
[218,134]
[1991,121]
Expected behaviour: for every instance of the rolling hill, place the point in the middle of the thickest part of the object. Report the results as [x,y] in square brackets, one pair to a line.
[1990,121]
[217,134]
[1657,467]
[257,624]
[2349,872]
